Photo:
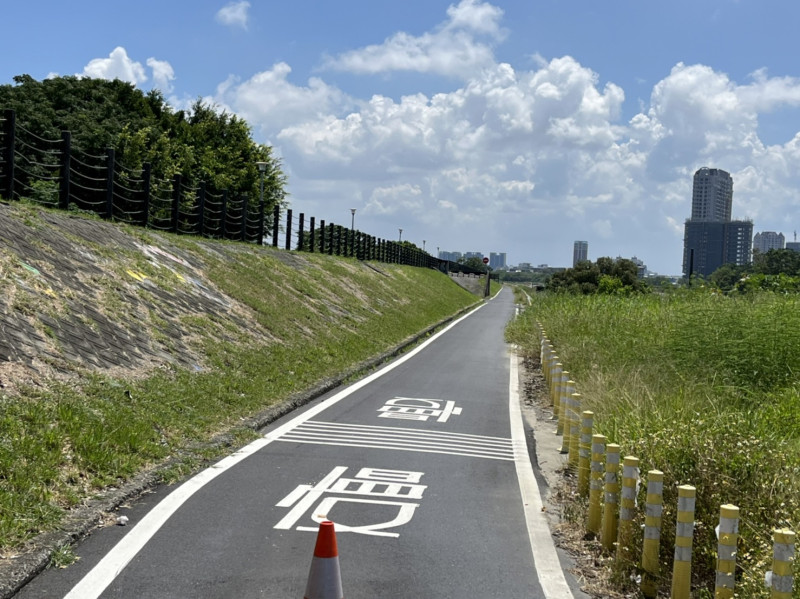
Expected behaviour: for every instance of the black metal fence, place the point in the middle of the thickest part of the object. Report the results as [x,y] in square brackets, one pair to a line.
[54,173]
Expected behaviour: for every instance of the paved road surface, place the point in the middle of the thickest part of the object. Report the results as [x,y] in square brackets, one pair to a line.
[422,466]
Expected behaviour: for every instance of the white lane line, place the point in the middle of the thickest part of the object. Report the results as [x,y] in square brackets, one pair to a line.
[108,568]
[401,439]
[545,559]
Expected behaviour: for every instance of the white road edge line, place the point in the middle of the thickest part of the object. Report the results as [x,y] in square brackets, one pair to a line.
[109,567]
[545,559]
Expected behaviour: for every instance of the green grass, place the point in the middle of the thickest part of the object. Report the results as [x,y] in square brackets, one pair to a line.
[296,325]
[702,387]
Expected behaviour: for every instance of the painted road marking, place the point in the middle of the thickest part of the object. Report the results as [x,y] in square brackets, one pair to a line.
[416,408]
[370,485]
[402,439]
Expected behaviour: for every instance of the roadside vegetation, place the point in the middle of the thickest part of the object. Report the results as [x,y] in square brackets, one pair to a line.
[299,320]
[702,386]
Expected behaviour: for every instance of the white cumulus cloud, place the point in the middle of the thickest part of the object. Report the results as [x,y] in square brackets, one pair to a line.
[118,65]
[234,14]
[453,49]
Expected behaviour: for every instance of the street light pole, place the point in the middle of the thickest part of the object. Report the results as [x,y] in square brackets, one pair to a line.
[401,234]
[352,218]
[423,245]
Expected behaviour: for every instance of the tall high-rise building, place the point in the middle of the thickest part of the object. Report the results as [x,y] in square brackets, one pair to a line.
[497,260]
[712,195]
[711,238]
[580,252]
[768,240]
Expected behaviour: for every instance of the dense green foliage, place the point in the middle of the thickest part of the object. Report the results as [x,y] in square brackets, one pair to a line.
[202,144]
[605,276]
[776,270]
[701,386]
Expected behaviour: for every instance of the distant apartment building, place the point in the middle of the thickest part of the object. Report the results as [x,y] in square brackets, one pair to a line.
[451,256]
[768,240]
[469,255]
[710,237]
[580,252]
[793,245]
[497,260]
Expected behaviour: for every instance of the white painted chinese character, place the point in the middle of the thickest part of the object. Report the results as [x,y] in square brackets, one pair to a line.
[410,408]
[370,484]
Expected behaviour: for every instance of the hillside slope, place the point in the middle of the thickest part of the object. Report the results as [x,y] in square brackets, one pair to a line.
[123,350]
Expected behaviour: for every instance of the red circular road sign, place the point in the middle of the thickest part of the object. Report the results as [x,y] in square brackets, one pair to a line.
[486,260]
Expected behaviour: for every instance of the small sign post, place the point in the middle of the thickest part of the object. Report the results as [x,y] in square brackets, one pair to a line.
[488,276]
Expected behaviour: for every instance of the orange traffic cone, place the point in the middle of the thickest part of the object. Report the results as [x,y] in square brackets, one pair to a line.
[324,578]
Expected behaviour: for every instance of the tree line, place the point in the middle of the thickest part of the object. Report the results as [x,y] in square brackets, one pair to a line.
[202,143]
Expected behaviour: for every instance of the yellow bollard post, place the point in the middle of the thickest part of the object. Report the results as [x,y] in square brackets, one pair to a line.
[547,364]
[585,453]
[596,483]
[610,497]
[557,390]
[782,560]
[684,533]
[654,506]
[627,509]
[558,406]
[565,413]
[727,536]
[574,428]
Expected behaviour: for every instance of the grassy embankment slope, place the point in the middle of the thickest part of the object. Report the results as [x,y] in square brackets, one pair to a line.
[138,349]
[701,386]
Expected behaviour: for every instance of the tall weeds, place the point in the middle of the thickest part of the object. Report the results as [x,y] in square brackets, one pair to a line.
[702,387]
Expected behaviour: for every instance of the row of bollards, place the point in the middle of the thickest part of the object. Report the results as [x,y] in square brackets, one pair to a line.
[612,504]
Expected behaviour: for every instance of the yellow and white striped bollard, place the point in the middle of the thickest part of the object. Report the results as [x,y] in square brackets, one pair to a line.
[627,508]
[684,534]
[610,497]
[565,413]
[782,561]
[654,507]
[558,403]
[585,452]
[727,536]
[574,428]
[596,483]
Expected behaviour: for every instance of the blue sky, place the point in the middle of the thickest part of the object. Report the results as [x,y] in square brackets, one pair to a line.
[511,126]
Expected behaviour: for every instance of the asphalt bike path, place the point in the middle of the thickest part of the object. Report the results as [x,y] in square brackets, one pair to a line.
[422,466]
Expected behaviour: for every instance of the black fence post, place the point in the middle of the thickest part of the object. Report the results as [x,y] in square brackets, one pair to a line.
[313,233]
[146,172]
[63,187]
[9,132]
[321,236]
[339,231]
[109,183]
[260,240]
[301,233]
[276,214]
[224,214]
[289,229]
[176,201]
[244,217]
[330,243]
[201,209]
